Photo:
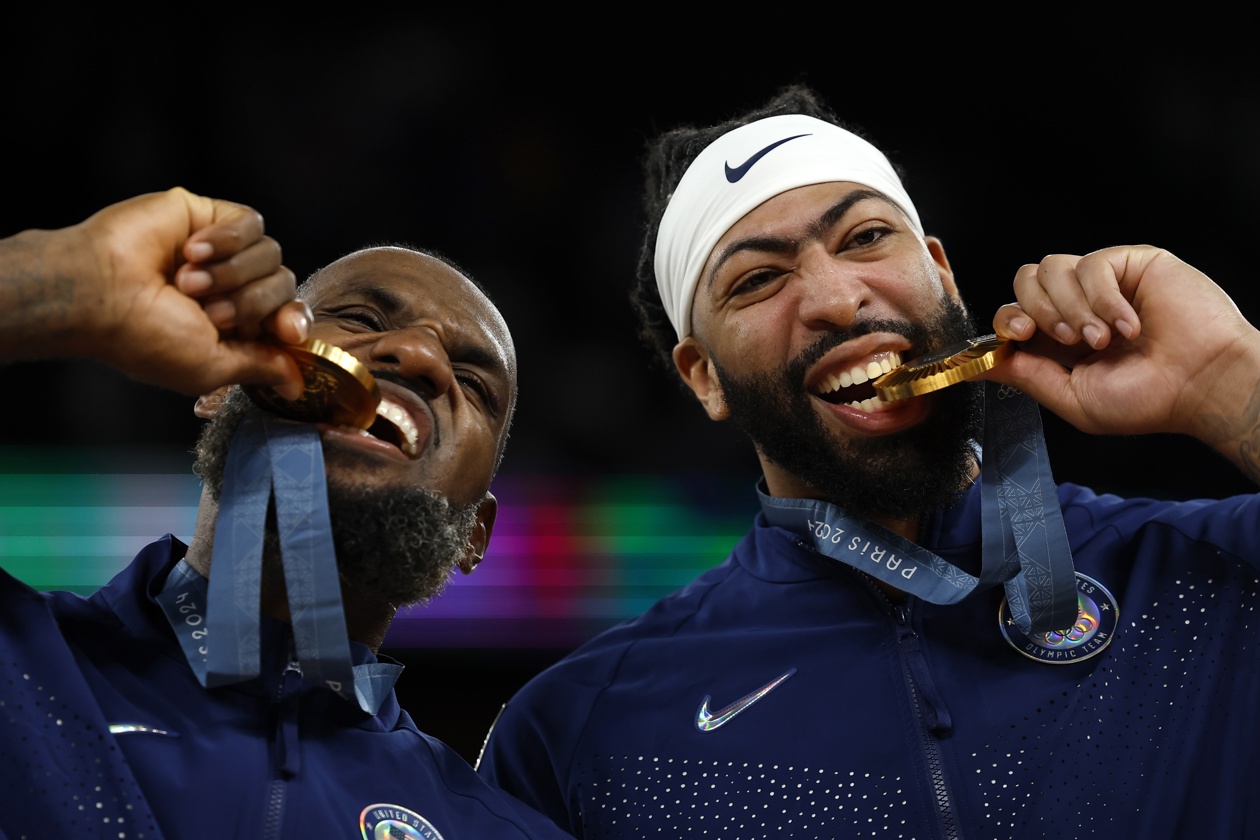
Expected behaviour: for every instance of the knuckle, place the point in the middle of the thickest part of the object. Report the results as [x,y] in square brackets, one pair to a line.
[261,297]
[1042,310]
[226,274]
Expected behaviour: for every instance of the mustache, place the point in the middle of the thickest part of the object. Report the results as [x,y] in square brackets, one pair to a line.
[402,382]
[915,334]
[952,323]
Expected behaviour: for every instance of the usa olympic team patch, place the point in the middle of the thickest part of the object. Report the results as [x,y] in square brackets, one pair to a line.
[393,822]
[1092,631]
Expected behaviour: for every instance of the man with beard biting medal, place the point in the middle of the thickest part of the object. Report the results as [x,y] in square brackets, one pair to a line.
[921,635]
[154,708]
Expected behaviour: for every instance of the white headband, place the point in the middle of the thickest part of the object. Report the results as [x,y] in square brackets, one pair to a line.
[740,170]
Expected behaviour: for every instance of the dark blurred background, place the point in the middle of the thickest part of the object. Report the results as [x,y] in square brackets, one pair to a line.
[514,146]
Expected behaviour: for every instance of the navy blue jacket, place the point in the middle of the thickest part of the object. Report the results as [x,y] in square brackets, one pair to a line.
[862,717]
[105,732]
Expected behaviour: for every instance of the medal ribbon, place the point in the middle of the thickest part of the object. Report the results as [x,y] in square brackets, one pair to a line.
[183,599]
[273,459]
[1024,542]
[1022,522]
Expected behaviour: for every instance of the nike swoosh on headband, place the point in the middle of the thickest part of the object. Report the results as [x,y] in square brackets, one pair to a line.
[707,722]
[733,175]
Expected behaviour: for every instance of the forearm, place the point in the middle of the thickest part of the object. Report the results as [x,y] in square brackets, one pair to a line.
[40,295]
[1246,452]
[130,287]
[1228,417]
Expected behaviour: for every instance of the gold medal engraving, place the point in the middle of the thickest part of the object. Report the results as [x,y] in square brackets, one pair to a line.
[339,389]
[946,367]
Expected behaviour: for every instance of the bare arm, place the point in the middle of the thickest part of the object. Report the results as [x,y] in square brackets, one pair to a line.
[1132,340]
[171,288]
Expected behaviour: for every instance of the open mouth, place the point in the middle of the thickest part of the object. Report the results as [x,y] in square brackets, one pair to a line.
[394,425]
[852,387]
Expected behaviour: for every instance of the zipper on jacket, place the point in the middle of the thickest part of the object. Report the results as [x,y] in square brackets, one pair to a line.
[288,756]
[930,712]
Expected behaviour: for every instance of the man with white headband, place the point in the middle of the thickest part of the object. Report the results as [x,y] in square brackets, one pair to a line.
[921,635]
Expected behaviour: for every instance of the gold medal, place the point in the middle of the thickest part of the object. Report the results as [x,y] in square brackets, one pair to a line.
[339,389]
[934,371]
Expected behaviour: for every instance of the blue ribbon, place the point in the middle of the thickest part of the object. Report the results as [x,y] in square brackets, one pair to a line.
[1024,542]
[273,459]
[1024,538]
[183,599]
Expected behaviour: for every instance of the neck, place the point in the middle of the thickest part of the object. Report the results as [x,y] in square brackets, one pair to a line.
[788,486]
[367,619]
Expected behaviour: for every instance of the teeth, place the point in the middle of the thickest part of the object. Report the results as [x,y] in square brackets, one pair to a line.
[401,420]
[874,404]
[861,373]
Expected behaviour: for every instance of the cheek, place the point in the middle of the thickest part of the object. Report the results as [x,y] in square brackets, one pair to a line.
[465,471]
[759,337]
[915,292]
[324,330]
[337,337]
[929,276]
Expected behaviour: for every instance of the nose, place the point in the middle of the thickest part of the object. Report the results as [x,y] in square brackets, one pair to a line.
[418,355]
[832,291]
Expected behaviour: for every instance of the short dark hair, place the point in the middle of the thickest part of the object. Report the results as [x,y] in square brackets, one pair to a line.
[666,159]
[305,286]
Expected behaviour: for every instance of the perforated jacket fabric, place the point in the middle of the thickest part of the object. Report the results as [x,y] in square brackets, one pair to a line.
[106,733]
[782,695]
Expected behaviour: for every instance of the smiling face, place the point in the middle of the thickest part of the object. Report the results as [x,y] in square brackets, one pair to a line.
[443,358]
[408,501]
[800,303]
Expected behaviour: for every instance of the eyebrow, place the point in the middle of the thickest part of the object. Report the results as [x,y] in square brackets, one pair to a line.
[787,245]
[382,297]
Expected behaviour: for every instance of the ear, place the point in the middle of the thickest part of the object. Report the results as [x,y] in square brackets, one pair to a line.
[697,370]
[207,405]
[937,249]
[479,540]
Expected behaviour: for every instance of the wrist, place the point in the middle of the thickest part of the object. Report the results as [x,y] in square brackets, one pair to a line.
[1226,413]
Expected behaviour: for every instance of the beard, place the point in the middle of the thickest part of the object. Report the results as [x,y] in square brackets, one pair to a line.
[899,475]
[394,545]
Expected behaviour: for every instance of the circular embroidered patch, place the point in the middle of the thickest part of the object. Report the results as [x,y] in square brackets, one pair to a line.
[393,822]
[1088,636]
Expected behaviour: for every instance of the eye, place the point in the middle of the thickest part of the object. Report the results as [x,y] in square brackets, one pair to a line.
[755,281]
[479,389]
[867,236]
[362,316]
